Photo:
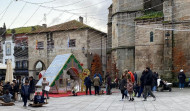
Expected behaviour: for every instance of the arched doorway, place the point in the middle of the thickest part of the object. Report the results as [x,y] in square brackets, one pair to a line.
[39,66]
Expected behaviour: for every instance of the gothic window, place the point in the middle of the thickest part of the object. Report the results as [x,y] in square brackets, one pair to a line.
[72,43]
[151,36]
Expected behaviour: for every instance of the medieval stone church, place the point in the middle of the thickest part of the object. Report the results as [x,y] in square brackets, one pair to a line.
[145,33]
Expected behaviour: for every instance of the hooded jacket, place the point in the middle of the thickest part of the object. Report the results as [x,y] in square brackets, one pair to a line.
[148,78]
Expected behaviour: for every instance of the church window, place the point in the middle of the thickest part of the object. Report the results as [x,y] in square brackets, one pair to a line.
[151,36]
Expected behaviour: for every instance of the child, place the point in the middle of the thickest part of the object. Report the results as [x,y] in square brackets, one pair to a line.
[25,93]
[130,89]
[38,98]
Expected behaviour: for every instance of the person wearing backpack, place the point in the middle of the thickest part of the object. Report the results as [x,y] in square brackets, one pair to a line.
[148,80]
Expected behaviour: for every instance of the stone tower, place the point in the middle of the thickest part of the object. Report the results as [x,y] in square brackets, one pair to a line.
[123,32]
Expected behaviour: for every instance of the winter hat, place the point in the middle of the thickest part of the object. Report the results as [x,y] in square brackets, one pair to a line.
[181,70]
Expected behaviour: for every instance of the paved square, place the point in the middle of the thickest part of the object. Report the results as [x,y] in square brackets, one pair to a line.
[177,100]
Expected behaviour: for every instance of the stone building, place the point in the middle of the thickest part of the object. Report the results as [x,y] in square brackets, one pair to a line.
[144,32]
[14,46]
[70,37]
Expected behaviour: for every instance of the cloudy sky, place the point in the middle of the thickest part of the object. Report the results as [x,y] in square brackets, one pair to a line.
[22,13]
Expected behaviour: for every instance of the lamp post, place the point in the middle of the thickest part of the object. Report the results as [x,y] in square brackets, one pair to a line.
[83,51]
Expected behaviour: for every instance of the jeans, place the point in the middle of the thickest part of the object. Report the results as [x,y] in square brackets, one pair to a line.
[140,91]
[154,88]
[181,85]
[43,91]
[147,90]
[88,87]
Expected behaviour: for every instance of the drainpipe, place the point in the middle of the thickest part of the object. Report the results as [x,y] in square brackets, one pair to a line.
[172,38]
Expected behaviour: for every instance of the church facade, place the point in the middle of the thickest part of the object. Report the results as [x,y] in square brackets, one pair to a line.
[145,33]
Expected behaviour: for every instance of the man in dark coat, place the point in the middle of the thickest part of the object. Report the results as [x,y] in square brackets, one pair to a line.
[32,88]
[88,82]
[148,79]
[108,83]
[181,78]
[141,84]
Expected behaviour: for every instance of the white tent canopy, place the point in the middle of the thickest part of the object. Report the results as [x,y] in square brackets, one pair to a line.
[3,66]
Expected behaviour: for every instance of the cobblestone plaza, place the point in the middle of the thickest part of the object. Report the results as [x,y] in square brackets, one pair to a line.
[177,100]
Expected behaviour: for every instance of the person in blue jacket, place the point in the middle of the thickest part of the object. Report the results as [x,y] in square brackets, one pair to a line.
[38,98]
[88,82]
[25,91]
[181,78]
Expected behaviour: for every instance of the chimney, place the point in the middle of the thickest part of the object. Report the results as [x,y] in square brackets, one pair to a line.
[81,19]
[44,25]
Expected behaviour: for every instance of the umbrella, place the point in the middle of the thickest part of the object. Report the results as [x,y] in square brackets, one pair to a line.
[9,72]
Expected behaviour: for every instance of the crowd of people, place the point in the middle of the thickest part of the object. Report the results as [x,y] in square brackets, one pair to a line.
[26,89]
[130,86]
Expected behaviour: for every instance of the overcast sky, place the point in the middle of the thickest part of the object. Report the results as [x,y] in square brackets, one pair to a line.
[31,12]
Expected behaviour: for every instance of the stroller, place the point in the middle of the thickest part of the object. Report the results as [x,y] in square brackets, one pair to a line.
[165,86]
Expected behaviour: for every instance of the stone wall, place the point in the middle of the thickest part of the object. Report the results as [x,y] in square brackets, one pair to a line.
[180,10]
[149,53]
[97,45]
[127,5]
[181,41]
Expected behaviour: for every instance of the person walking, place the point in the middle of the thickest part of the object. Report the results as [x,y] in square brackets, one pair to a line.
[96,84]
[148,79]
[44,84]
[141,84]
[181,78]
[25,92]
[123,86]
[88,82]
[32,88]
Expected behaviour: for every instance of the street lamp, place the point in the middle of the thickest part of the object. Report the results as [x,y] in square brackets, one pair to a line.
[167,35]
[83,51]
